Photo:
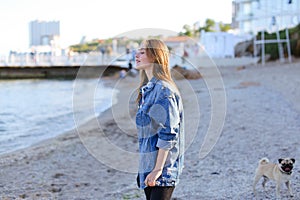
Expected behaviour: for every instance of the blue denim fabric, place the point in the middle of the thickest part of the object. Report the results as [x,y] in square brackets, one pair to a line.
[159,121]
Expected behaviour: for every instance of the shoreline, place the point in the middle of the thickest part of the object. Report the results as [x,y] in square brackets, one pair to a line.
[104,116]
[262,119]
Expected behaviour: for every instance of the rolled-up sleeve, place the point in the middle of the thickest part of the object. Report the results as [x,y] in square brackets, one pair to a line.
[165,113]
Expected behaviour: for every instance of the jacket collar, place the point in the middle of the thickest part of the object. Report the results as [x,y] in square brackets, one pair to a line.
[149,86]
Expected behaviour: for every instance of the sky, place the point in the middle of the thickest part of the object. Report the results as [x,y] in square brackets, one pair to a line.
[102,18]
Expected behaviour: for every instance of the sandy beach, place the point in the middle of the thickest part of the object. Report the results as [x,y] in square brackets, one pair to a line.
[98,160]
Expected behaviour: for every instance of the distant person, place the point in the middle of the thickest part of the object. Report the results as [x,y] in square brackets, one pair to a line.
[184,56]
[159,122]
[127,51]
[102,50]
[109,51]
[122,73]
[33,56]
[70,55]
[129,65]
[131,71]
[129,57]
[133,53]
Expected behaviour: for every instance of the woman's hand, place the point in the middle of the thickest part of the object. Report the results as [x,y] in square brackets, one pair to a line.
[157,171]
[152,177]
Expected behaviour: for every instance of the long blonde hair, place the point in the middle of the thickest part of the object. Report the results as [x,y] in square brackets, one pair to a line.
[157,51]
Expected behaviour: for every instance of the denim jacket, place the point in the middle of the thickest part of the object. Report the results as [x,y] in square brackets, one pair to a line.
[159,121]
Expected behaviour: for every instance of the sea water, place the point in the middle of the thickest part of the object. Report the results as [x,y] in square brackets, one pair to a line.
[35,110]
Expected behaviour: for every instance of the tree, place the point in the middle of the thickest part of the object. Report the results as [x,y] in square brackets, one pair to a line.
[188,31]
[225,27]
[209,26]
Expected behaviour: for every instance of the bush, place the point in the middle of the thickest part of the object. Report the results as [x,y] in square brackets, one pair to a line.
[272,49]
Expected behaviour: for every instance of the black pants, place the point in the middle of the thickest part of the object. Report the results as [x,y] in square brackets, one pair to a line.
[159,193]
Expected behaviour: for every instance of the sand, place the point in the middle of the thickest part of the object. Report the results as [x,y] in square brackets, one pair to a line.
[99,159]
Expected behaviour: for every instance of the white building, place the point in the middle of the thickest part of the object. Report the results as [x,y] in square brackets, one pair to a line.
[45,37]
[252,16]
[41,33]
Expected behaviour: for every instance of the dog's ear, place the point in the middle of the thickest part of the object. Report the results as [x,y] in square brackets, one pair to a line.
[293,160]
[280,159]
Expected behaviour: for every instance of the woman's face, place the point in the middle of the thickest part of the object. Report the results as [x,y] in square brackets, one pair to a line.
[142,60]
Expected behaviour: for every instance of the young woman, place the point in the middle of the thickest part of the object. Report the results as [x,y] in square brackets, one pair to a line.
[159,121]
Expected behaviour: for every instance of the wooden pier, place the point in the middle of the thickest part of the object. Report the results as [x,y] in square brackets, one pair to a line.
[57,72]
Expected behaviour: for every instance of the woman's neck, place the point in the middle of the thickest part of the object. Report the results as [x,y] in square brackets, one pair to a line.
[149,73]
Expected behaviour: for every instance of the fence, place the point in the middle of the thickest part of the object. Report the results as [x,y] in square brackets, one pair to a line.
[91,59]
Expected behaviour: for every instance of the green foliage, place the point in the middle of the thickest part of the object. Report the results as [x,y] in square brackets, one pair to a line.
[97,44]
[188,31]
[85,48]
[272,49]
[295,47]
[225,27]
[295,30]
[209,26]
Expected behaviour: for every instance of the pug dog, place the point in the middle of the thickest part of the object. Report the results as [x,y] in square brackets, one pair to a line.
[280,172]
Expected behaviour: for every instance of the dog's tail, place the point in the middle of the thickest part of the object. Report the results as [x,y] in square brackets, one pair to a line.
[264,161]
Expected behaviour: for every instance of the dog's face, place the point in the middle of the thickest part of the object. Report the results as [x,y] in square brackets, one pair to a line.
[286,164]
